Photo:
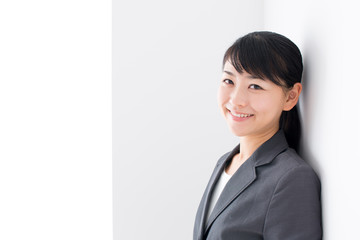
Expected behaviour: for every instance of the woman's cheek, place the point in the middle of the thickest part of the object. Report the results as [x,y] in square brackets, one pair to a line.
[221,96]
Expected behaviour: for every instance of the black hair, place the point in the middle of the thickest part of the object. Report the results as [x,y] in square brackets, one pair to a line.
[275,57]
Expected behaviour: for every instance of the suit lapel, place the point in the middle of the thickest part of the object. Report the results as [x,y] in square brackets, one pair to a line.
[208,191]
[242,178]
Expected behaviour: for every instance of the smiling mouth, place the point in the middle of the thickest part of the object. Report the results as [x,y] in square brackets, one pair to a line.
[242,115]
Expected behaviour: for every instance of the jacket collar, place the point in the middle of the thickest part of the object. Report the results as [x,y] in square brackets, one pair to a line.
[243,177]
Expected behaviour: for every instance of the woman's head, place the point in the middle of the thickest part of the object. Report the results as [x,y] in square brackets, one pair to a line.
[273,61]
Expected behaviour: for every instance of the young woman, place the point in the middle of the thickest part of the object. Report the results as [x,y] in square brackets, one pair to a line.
[261,189]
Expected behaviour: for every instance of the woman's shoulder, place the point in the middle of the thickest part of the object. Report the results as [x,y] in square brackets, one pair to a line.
[289,164]
[291,159]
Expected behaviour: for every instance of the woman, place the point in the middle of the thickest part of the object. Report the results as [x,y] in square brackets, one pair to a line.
[261,189]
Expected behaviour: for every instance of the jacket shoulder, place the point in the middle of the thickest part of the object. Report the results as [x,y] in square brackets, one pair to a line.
[291,161]
[285,166]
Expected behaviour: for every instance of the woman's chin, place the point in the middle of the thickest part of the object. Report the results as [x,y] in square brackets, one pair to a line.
[239,132]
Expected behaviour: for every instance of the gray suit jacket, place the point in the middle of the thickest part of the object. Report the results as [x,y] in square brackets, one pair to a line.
[274,195]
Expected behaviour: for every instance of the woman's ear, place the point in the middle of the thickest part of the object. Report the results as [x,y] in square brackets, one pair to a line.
[292,96]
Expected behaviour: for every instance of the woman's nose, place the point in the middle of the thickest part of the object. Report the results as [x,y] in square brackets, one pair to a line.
[238,98]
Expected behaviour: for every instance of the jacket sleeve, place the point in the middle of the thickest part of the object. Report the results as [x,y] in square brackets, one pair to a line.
[294,211]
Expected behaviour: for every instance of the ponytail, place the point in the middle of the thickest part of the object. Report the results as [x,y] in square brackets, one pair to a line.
[291,125]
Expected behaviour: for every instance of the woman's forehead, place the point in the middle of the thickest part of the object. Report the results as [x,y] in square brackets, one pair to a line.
[230,70]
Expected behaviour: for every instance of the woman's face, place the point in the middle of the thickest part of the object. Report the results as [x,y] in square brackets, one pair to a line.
[250,105]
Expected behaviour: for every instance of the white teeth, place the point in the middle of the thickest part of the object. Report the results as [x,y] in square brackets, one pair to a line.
[241,115]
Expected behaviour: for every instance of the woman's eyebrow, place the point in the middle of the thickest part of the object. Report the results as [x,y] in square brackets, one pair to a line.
[255,77]
[249,76]
[228,72]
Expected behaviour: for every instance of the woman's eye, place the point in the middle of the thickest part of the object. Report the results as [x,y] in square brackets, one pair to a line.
[228,81]
[254,86]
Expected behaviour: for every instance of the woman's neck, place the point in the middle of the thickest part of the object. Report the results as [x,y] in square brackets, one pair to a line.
[249,144]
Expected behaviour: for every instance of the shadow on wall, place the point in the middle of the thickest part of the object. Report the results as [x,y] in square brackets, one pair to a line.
[307,111]
[307,114]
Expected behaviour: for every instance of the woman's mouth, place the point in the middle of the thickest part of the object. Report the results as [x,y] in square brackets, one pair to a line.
[240,116]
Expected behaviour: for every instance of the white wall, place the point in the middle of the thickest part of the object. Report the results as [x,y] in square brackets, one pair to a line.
[327,33]
[167,130]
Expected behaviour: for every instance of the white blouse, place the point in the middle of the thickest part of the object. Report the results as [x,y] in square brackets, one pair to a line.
[224,178]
